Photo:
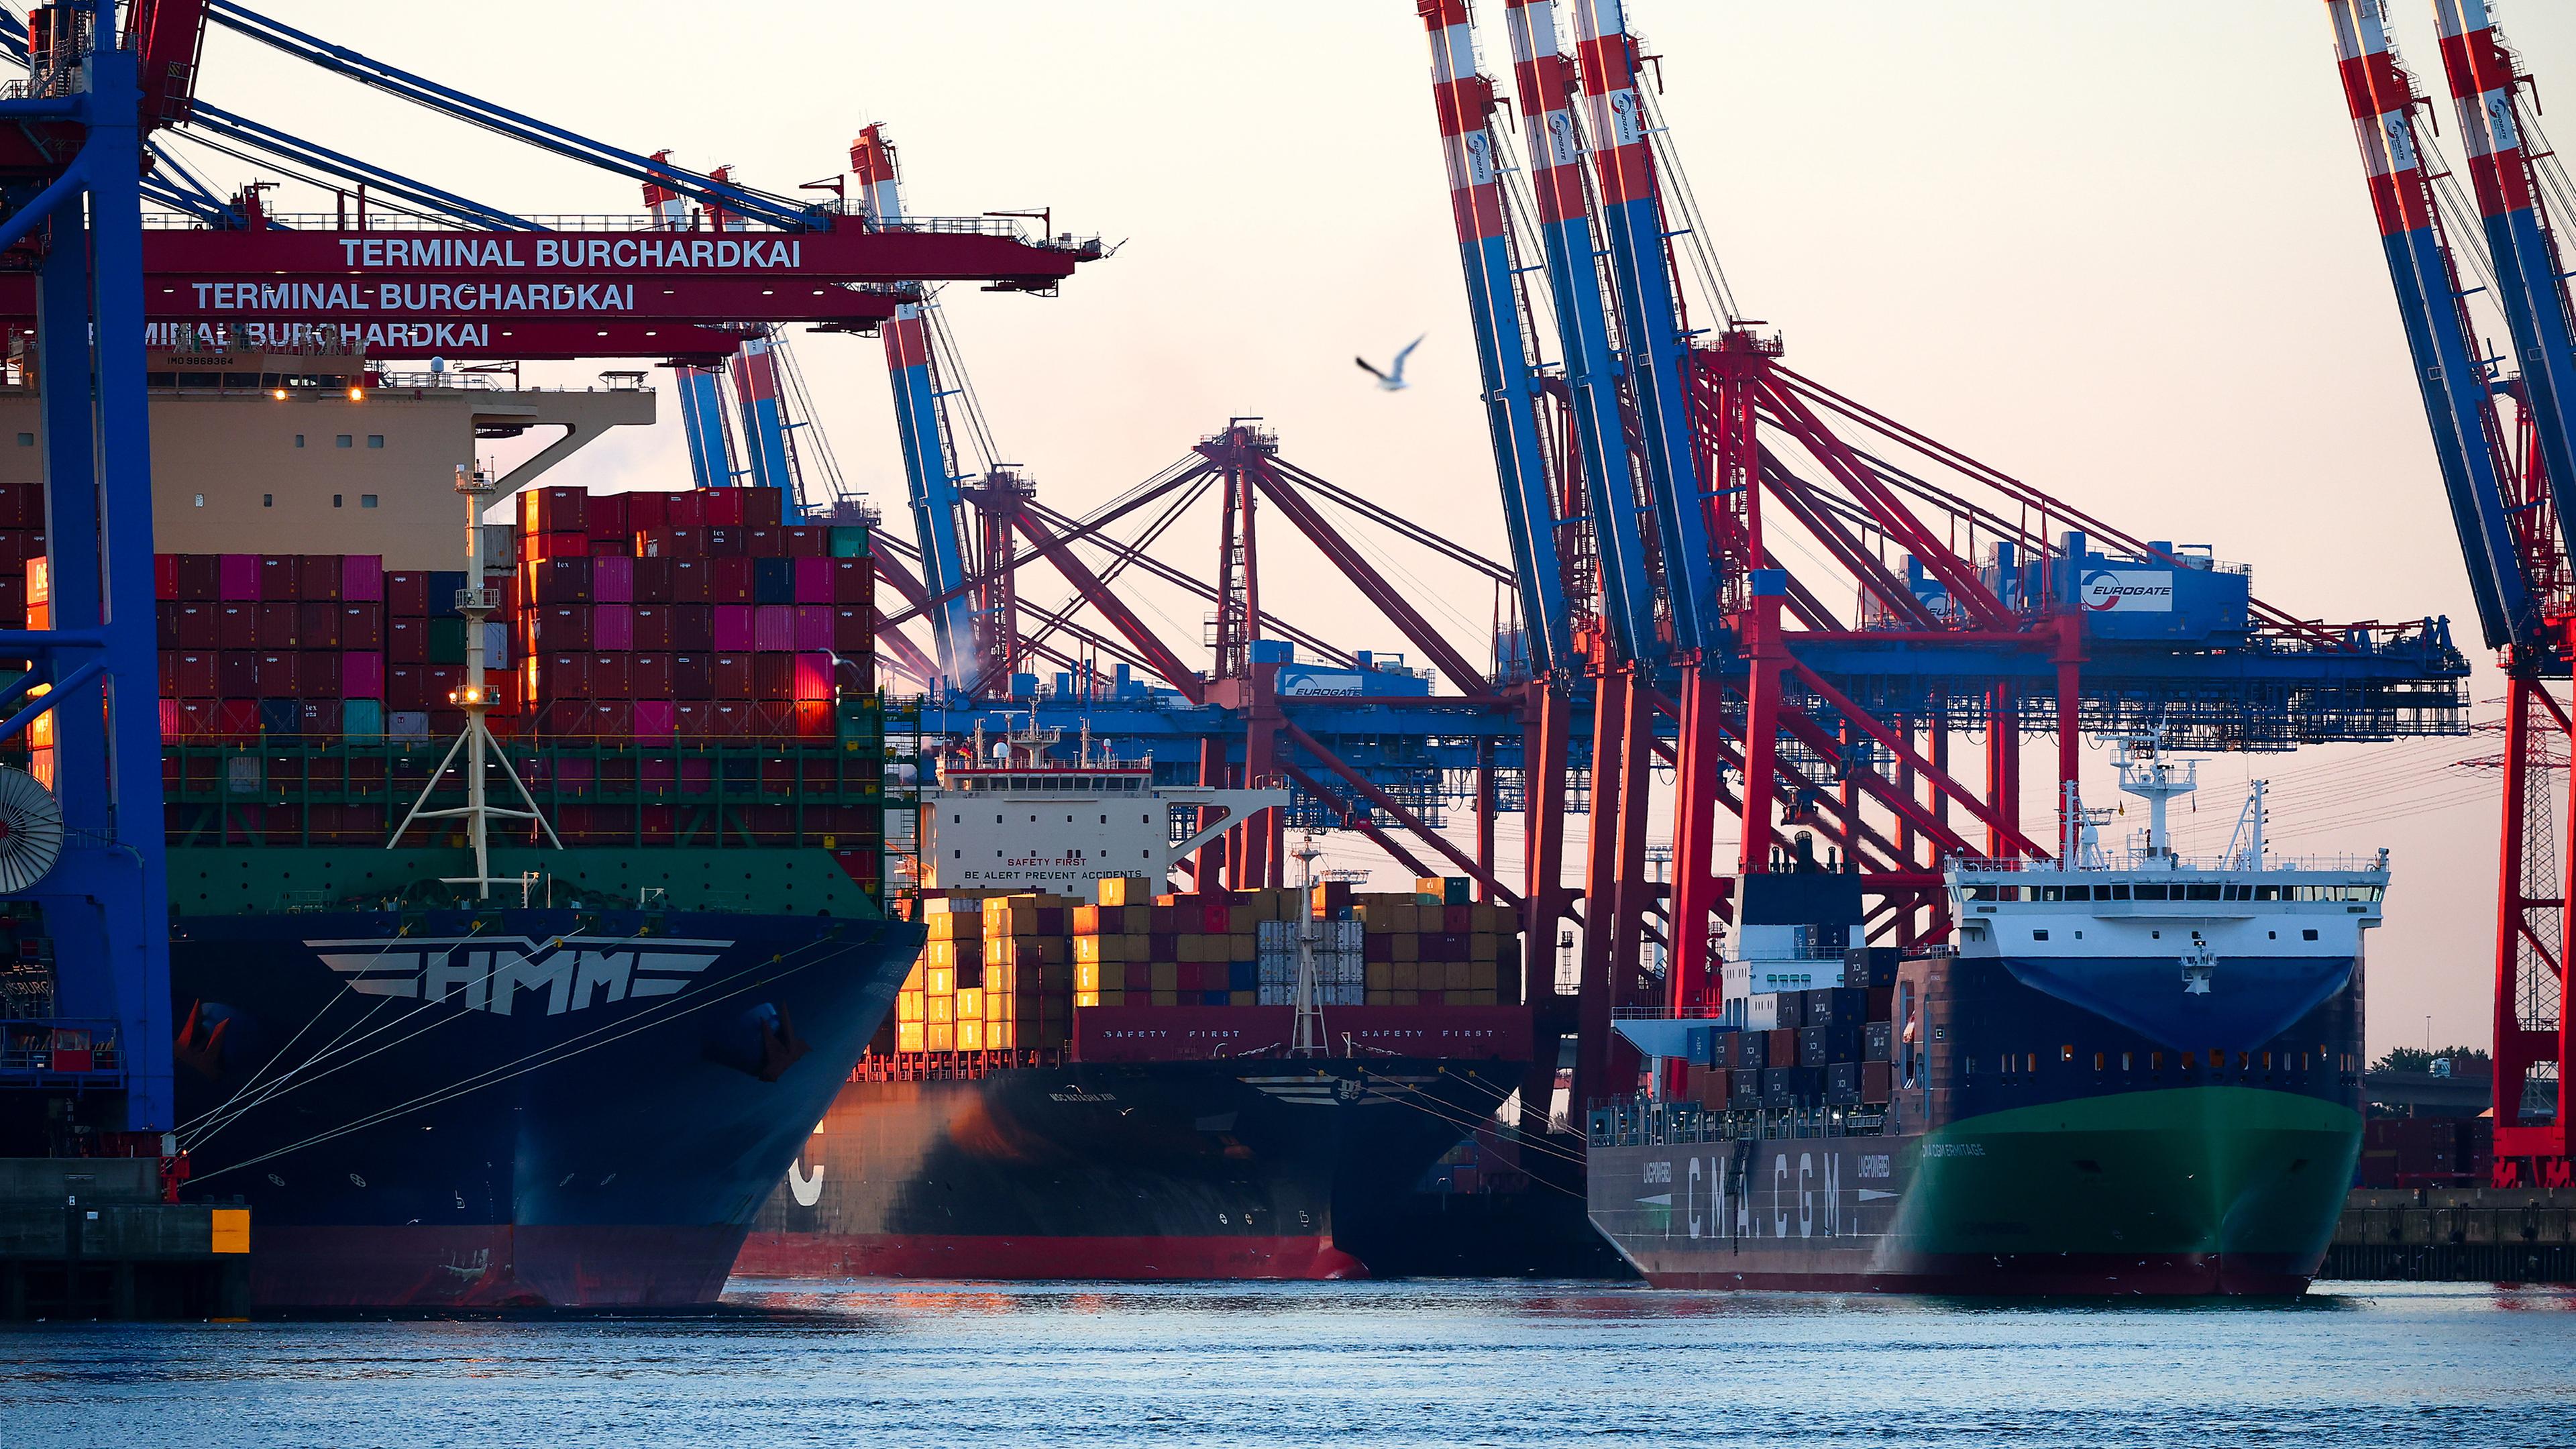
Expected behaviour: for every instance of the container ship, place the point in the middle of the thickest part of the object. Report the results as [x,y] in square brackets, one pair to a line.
[1089,1078]
[2131,1076]
[550,1047]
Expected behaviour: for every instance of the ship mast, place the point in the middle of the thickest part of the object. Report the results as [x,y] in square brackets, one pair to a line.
[2146,773]
[475,742]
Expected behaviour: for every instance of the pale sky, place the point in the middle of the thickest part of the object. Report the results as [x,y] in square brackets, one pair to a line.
[2122,252]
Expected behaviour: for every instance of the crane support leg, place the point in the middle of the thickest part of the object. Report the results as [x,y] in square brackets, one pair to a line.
[1698,777]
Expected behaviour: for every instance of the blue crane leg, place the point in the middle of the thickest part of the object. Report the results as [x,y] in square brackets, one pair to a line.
[702,421]
[1592,376]
[1511,417]
[2536,309]
[1663,417]
[2463,391]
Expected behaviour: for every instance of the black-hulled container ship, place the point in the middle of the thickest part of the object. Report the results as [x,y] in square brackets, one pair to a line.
[1126,1085]
[2132,1076]
[519,1061]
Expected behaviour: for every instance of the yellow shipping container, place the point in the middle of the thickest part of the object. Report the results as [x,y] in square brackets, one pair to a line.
[1196,946]
[1166,998]
[1126,890]
[970,1004]
[1140,946]
[1484,946]
[1000,1036]
[1243,998]
[1406,998]
[907,1006]
[907,1036]
[1408,975]
[1457,974]
[939,1036]
[912,982]
[970,1036]
[1407,947]
[1111,998]
[940,980]
[1086,978]
[1086,998]
[1100,948]
[1484,998]
[1240,920]
[956,928]
[1457,998]
[937,1008]
[1000,1006]
[950,955]
[1243,946]
[1381,976]
[1166,980]
[1480,975]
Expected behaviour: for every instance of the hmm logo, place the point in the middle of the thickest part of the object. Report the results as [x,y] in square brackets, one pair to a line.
[487,973]
[2128,591]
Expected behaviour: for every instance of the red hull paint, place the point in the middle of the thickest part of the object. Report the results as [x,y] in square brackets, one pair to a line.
[2164,1275]
[915,1255]
[490,1266]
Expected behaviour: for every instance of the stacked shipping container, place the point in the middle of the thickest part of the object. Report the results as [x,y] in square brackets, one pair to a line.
[1831,1045]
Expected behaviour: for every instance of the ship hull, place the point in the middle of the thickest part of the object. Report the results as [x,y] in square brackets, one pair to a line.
[2216,1190]
[536,1108]
[1135,1171]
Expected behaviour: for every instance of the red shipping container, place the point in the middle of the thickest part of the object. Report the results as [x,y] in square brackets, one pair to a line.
[685,510]
[560,675]
[762,506]
[692,581]
[813,626]
[763,543]
[612,580]
[165,575]
[689,718]
[773,629]
[318,577]
[237,576]
[539,546]
[646,510]
[723,506]
[192,626]
[610,718]
[606,515]
[611,547]
[671,542]
[558,581]
[773,677]
[407,641]
[730,676]
[237,674]
[727,719]
[280,674]
[442,680]
[689,677]
[362,578]
[237,626]
[317,626]
[612,626]
[281,576]
[652,580]
[318,674]
[723,541]
[814,579]
[814,720]
[406,686]
[693,626]
[362,674]
[854,581]
[854,629]
[190,675]
[653,626]
[650,676]
[734,627]
[563,626]
[236,720]
[813,680]
[610,676]
[554,510]
[407,593]
[362,626]
[806,541]
[280,625]
[199,577]
[655,719]
[731,581]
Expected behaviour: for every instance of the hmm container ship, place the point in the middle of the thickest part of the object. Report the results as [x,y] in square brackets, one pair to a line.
[2132,1076]
[555,1044]
[1087,1078]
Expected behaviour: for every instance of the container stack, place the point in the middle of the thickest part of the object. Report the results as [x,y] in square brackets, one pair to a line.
[1028,991]
[1340,961]
[1433,946]
[1831,1045]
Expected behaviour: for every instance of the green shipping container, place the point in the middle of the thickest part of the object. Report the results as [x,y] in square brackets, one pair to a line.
[849,540]
[447,641]
[362,718]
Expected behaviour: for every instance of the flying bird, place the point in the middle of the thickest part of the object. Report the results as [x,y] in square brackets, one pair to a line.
[1391,380]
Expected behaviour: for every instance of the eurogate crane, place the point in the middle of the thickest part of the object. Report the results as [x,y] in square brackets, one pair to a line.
[2505,439]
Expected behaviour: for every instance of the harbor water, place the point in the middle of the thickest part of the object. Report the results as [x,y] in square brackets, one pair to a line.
[1302,1364]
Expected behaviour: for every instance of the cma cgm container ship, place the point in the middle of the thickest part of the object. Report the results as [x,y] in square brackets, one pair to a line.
[2130,1077]
[577,1089]
[1089,1080]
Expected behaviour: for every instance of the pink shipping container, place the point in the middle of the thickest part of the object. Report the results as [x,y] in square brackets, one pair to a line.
[362,675]
[612,626]
[655,719]
[612,580]
[813,581]
[813,621]
[813,678]
[362,578]
[734,627]
[773,629]
[237,576]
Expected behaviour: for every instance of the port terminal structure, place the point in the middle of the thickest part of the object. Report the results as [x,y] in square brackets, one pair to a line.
[1659,464]
[112,244]
[2503,429]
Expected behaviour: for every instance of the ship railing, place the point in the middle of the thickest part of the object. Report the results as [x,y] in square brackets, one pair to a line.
[1646,1122]
[54,1049]
[2320,864]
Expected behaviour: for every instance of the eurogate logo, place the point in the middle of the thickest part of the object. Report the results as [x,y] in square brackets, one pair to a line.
[2131,591]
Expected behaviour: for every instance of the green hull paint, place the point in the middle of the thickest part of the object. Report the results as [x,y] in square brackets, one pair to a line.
[2197,1170]
[763,880]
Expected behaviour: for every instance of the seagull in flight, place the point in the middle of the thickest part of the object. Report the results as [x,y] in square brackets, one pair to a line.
[1391,380]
